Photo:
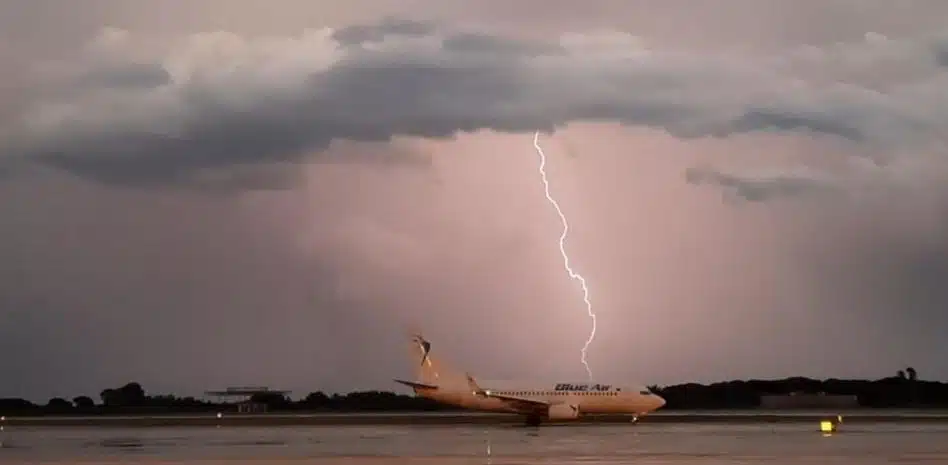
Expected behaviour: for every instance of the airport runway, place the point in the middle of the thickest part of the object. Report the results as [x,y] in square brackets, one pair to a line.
[464,418]
[906,443]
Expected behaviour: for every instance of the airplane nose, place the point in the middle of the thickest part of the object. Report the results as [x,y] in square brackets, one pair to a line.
[660,402]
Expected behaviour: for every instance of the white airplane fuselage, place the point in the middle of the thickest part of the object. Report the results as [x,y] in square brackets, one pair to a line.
[588,398]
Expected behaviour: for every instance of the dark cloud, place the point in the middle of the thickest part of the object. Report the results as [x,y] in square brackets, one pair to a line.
[762,187]
[221,100]
[386,27]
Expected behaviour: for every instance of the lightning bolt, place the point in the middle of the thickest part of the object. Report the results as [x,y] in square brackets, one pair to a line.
[569,270]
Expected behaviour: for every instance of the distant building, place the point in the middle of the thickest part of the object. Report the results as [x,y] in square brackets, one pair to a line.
[808,401]
[246,394]
[248,406]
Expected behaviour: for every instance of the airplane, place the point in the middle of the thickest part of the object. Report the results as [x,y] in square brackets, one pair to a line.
[536,401]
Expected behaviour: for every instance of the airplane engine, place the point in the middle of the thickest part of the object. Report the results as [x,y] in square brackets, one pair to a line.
[563,412]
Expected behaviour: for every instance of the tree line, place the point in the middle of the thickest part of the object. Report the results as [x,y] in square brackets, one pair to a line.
[902,390]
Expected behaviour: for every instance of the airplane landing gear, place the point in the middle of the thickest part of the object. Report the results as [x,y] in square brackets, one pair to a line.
[533,420]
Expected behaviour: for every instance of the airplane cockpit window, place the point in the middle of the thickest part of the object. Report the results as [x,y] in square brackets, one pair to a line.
[645,393]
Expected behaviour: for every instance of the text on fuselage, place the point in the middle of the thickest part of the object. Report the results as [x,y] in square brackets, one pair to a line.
[582,387]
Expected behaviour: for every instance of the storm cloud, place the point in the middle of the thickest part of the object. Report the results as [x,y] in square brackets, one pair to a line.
[761,187]
[203,193]
[218,99]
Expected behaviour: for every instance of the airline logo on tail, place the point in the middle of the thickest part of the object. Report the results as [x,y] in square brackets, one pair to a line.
[425,348]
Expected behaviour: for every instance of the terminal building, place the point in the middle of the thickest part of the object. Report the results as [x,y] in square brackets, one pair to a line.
[798,400]
[244,396]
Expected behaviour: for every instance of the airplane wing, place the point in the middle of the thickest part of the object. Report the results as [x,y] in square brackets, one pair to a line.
[521,404]
[415,385]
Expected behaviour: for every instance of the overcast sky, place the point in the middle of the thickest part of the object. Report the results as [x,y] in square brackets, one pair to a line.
[205,193]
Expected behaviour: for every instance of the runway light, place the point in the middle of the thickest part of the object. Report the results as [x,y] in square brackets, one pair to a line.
[219,414]
[830,426]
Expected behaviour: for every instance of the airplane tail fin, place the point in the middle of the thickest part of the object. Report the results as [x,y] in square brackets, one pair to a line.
[429,369]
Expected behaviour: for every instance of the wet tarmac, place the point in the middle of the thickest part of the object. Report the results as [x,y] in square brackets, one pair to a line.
[865,443]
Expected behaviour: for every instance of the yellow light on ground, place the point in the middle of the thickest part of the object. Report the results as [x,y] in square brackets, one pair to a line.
[827,426]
